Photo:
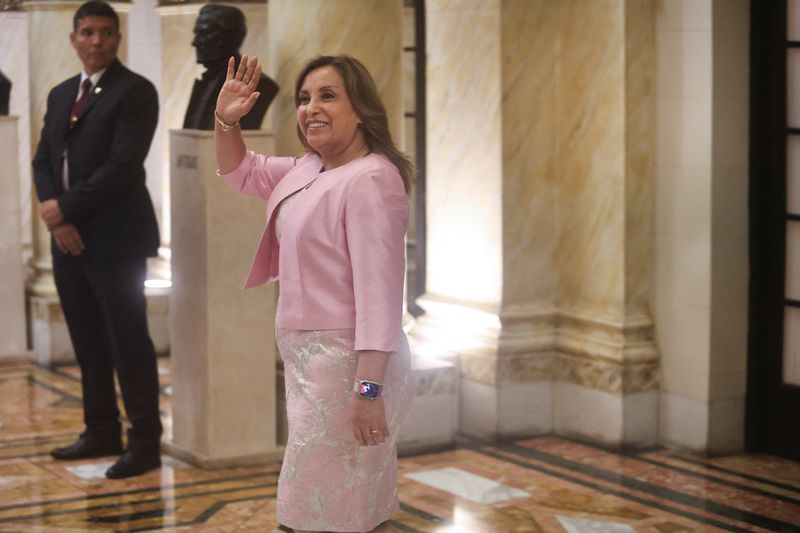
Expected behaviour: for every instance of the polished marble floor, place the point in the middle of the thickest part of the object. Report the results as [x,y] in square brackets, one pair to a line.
[540,484]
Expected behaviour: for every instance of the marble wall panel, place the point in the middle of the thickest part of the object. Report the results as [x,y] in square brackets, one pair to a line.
[605,138]
[591,153]
[369,30]
[13,47]
[464,157]
[530,49]
[639,158]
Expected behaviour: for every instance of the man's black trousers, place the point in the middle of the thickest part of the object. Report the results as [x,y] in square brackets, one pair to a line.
[106,313]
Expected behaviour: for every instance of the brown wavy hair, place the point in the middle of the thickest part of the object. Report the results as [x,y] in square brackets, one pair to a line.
[368,106]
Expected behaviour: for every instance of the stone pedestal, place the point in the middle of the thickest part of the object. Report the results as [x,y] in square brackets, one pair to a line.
[12,286]
[223,345]
[13,46]
[539,254]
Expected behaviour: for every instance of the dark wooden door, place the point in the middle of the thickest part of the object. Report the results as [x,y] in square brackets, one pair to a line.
[773,414]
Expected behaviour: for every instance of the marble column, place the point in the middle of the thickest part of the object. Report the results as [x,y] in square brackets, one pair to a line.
[504,387]
[180,68]
[13,343]
[538,207]
[607,364]
[13,46]
[223,346]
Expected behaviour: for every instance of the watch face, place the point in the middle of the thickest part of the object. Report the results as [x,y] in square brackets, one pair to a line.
[368,390]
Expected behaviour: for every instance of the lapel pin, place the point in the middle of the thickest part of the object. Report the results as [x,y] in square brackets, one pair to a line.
[97,90]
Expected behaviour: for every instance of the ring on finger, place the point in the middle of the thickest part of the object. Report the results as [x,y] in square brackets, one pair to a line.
[373,431]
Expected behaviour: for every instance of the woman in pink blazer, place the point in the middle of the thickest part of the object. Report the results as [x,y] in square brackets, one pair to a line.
[334,236]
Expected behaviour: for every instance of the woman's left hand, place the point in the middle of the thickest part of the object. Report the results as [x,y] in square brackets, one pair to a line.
[369,420]
[238,94]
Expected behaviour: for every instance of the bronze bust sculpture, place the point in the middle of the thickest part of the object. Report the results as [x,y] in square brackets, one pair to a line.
[5,94]
[219,33]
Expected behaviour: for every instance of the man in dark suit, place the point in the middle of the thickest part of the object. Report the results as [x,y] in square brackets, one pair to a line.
[90,180]
[218,34]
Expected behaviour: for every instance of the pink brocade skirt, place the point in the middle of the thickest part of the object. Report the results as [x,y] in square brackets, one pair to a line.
[328,482]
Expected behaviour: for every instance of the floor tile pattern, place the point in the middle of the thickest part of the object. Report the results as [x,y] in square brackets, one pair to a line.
[540,484]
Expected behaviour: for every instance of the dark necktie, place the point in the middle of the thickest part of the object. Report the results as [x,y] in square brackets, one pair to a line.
[80,102]
[73,118]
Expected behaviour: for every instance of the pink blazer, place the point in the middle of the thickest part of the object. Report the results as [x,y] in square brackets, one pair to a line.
[342,260]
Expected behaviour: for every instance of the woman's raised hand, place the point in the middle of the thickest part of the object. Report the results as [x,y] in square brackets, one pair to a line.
[238,94]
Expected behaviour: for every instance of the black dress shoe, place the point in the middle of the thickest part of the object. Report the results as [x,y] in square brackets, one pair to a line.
[132,464]
[86,447]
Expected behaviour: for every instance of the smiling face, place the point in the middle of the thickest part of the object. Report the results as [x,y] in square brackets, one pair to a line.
[326,116]
[96,39]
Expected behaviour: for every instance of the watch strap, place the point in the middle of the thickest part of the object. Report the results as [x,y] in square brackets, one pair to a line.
[370,390]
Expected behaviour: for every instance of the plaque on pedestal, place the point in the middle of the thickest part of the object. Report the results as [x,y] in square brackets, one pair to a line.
[222,337]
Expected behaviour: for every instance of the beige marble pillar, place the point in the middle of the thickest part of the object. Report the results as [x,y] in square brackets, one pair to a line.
[223,346]
[180,68]
[487,302]
[607,365]
[13,46]
[369,30]
[539,206]
[13,343]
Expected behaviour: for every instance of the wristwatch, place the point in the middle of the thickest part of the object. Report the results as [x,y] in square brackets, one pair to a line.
[367,389]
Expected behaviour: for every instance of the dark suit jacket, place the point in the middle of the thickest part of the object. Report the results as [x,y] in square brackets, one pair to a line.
[107,199]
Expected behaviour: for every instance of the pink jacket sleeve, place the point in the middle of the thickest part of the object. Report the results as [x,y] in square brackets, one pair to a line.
[376,217]
[258,174]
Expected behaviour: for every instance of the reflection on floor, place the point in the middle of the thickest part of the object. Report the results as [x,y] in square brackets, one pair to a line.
[529,485]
